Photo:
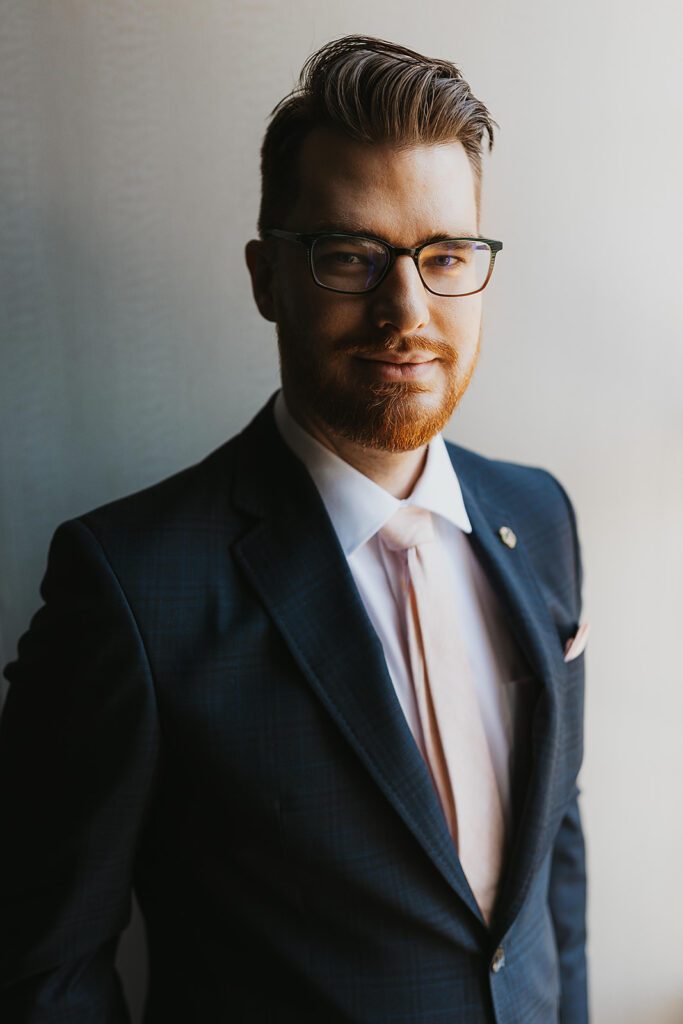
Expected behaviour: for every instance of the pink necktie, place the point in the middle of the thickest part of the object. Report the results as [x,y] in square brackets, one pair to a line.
[456,748]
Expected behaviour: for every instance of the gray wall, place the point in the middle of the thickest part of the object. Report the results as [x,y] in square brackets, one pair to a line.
[130,345]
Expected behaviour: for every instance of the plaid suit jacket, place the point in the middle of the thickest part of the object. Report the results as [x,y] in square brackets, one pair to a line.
[201,712]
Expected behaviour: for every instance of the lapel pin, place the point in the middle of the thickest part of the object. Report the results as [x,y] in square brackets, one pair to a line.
[507,536]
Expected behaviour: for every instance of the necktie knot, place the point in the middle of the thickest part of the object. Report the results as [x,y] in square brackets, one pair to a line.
[408,527]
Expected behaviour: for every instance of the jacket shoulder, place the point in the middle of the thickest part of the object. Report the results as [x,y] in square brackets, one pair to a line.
[500,480]
[536,506]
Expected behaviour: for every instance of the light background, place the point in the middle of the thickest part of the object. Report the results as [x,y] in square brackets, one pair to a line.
[131,346]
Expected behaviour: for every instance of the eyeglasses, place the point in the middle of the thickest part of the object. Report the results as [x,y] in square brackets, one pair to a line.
[354,264]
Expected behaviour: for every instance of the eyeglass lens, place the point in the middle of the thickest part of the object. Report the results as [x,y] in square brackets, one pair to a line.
[351,264]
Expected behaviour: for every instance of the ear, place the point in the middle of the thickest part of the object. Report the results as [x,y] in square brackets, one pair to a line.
[261,273]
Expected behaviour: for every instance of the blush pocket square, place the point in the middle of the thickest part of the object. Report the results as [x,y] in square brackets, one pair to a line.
[576,644]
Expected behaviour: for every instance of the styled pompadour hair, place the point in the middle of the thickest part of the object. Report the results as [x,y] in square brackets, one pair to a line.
[372,91]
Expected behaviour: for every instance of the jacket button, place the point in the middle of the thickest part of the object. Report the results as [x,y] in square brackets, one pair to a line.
[498,960]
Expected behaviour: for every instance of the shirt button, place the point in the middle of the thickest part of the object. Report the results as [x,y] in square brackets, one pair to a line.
[498,960]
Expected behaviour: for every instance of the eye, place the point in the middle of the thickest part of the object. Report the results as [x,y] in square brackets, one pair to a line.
[342,256]
[450,257]
[445,260]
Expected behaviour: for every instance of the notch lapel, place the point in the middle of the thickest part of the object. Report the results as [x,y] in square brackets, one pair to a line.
[513,580]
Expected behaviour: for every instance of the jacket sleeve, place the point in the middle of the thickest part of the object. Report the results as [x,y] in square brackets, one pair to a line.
[79,758]
[567,896]
[568,885]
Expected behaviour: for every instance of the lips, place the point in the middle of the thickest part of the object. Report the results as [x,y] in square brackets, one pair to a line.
[400,358]
[397,366]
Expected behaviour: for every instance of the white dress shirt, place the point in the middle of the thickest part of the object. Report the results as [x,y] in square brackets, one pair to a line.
[358,508]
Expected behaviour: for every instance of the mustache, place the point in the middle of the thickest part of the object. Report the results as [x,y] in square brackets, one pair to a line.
[399,346]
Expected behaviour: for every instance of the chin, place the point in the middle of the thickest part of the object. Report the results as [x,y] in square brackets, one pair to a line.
[390,417]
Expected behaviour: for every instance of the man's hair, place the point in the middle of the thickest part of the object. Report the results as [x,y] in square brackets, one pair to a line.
[372,91]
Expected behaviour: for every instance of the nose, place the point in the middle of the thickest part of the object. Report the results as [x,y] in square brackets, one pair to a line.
[400,301]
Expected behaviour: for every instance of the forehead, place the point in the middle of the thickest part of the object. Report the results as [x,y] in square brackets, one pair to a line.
[403,194]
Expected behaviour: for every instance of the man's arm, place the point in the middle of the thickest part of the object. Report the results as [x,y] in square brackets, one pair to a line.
[79,753]
[567,898]
[568,887]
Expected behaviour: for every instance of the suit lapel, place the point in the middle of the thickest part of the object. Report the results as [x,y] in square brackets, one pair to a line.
[514,582]
[293,560]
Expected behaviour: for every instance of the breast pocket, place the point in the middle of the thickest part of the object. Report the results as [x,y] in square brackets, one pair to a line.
[570,696]
[574,642]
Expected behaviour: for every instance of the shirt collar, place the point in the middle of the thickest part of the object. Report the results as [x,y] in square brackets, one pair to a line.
[356,505]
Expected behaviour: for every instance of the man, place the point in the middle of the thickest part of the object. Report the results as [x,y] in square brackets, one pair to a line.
[319,698]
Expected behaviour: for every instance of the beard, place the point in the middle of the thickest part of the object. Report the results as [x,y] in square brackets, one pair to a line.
[391,416]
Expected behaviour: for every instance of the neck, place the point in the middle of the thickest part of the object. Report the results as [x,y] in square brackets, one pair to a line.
[396,472]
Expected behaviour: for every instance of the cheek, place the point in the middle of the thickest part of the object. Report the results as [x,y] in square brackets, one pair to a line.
[459,324]
[291,295]
[315,312]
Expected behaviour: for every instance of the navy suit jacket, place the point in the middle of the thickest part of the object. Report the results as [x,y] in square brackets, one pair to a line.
[201,712]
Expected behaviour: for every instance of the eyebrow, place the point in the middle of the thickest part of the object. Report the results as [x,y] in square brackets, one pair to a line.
[355,229]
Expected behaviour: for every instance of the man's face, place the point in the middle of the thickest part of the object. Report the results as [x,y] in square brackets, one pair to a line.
[385,369]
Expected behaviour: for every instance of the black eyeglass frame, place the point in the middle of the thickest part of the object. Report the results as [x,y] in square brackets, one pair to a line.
[308,239]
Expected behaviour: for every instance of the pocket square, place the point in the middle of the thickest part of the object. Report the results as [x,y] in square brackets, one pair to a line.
[576,644]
